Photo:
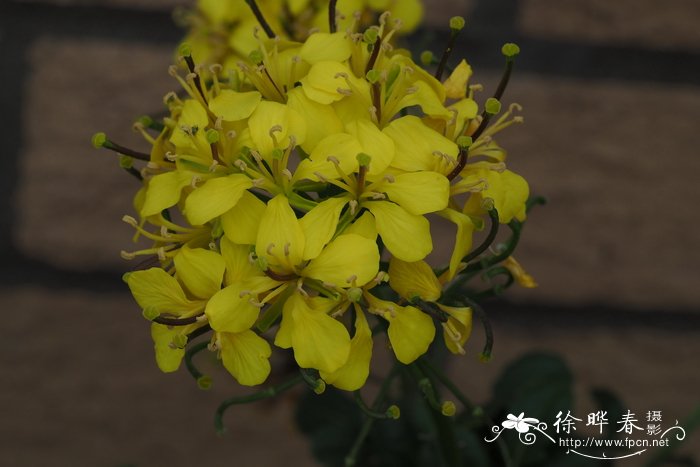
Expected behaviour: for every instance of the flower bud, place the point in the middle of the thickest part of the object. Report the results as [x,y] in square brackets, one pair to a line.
[510,50]
[448,408]
[492,106]
[464,142]
[99,140]
[426,57]
[370,36]
[393,412]
[212,136]
[204,382]
[457,23]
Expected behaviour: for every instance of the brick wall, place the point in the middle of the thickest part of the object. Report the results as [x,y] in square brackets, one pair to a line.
[612,103]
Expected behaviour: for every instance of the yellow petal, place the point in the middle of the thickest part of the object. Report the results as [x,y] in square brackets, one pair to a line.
[426,98]
[280,237]
[230,311]
[410,12]
[348,259]
[319,341]
[406,235]
[232,106]
[323,46]
[241,222]
[321,119]
[353,375]
[193,115]
[418,145]
[319,225]
[374,143]
[508,190]
[167,358]
[415,279]
[418,192]
[324,80]
[238,265]
[274,119]
[364,226]
[215,197]
[163,191]
[157,290]
[458,328]
[410,330]
[456,84]
[246,356]
[201,271]
[341,146]
[463,238]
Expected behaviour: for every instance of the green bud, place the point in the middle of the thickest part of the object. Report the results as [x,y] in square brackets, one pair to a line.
[364,159]
[255,56]
[370,36]
[457,23]
[145,120]
[204,382]
[393,412]
[448,408]
[492,106]
[185,50]
[354,294]
[150,313]
[212,136]
[277,154]
[99,140]
[426,57]
[510,50]
[464,141]
[485,357]
[126,162]
[180,341]
[373,76]
[320,387]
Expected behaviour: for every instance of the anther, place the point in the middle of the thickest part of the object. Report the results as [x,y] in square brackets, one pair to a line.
[351,279]
[389,178]
[212,167]
[153,165]
[344,92]
[333,159]
[202,318]
[127,255]
[300,288]
[172,71]
[269,248]
[255,303]
[321,177]
[164,232]
[161,254]
[130,220]
[288,174]
[258,182]
[212,246]
[275,129]
[353,206]
[191,76]
[215,68]
[218,124]
[242,166]
[194,181]
[286,248]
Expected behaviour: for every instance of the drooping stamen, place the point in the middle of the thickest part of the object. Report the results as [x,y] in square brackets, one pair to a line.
[456,25]
[261,19]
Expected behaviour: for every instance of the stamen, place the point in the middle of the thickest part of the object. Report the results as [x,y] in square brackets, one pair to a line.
[231,134]
[353,206]
[130,220]
[286,248]
[170,156]
[127,255]
[269,249]
[351,279]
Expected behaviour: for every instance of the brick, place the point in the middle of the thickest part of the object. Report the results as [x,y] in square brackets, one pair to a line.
[71,196]
[86,391]
[629,22]
[617,163]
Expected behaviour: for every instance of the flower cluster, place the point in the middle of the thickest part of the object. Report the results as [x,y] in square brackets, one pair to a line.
[223,31]
[288,199]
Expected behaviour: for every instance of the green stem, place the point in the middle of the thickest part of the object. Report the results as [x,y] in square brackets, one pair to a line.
[351,458]
[264,394]
[493,215]
[203,381]
[261,19]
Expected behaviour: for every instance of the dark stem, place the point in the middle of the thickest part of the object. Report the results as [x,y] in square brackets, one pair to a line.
[261,19]
[264,394]
[493,215]
[332,24]
[133,172]
[446,54]
[516,228]
[111,145]
[366,410]
[377,100]
[375,54]
[504,80]
[197,80]
[430,309]
[189,354]
[176,321]
[488,330]
[279,277]
[461,162]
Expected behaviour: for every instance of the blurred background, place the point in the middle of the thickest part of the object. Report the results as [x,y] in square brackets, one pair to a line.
[611,97]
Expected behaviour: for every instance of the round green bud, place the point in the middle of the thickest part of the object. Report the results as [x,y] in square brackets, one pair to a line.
[354,294]
[185,50]
[448,408]
[320,387]
[373,76]
[426,57]
[150,313]
[393,412]
[464,141]
[457,23]
[255,56]
[364,159]
[125,162]
[370,36]
[212,136]
[510,50]
[99,140]
[485,357]
[492,106]
[204,382]
[145,120]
